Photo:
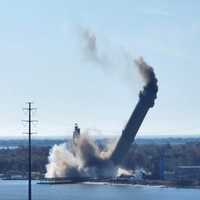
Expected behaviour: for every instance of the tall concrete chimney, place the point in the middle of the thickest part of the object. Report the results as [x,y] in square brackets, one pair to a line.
[146,101]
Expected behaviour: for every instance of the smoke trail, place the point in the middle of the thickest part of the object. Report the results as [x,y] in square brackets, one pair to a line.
[112,59]
[91,52]
[99,52]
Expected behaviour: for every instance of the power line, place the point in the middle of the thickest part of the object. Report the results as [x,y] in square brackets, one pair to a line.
[29,122]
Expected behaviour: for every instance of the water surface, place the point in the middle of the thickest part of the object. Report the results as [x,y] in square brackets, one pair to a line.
[17,190]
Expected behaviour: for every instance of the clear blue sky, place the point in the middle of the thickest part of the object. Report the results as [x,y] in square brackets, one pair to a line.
[41,61]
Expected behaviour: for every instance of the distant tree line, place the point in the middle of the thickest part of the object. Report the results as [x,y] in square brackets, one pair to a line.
[146,156]
[16,160]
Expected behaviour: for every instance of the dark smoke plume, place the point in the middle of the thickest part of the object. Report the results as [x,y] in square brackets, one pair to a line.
[148,76]
[146,71]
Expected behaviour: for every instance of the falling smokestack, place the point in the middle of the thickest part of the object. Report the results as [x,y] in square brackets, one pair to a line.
[145,102]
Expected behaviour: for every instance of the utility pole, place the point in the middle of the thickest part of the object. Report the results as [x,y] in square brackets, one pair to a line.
[29,122]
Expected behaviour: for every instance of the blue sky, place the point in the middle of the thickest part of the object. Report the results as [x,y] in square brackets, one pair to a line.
[41,60]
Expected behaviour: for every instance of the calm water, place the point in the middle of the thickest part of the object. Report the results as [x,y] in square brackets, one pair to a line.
[17,190]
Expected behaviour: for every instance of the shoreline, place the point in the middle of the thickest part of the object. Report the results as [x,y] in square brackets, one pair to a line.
[151,183]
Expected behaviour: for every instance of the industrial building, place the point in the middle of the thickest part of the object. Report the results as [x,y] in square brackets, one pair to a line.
[187,173]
